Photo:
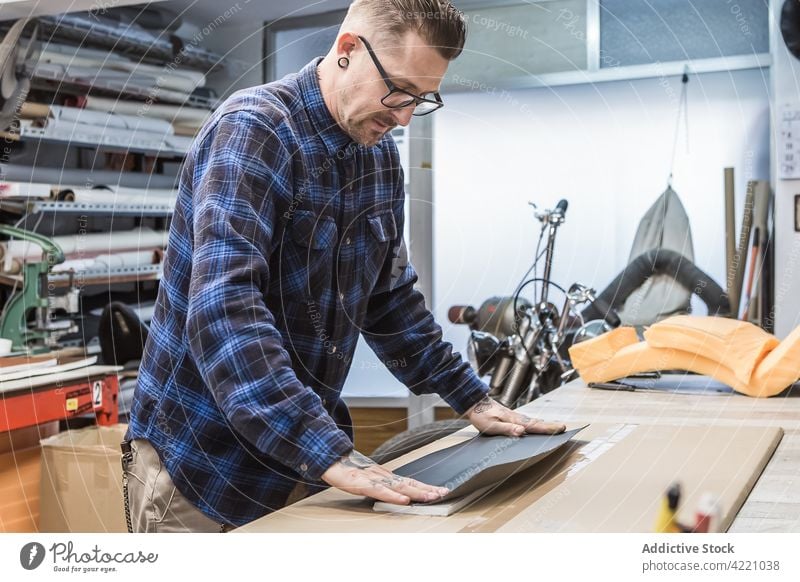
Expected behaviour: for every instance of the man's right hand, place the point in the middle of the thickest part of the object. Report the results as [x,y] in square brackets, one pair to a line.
[360,475]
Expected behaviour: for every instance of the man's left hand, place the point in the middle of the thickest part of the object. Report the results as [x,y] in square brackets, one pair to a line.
[492,418]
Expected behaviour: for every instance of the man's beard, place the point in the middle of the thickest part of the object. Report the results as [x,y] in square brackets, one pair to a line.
[364,130]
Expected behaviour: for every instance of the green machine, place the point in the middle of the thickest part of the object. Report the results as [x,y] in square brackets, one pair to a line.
[40,334]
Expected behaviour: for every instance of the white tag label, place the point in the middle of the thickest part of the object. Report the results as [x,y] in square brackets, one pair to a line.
[97,394]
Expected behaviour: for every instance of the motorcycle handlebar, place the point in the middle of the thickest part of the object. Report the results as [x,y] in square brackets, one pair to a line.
[462,314]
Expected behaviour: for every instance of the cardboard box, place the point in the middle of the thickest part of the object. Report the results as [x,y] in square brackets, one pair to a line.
[82,481]
[20,459]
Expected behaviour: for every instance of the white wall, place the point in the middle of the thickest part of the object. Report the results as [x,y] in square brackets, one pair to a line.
[604,147]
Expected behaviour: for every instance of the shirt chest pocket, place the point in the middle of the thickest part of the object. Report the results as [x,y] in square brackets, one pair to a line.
[381,234]
[303,266]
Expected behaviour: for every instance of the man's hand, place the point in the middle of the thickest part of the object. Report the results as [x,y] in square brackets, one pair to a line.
[360,475]
[491,417]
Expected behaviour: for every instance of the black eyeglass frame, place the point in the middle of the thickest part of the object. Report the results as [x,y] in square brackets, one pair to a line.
[393,89]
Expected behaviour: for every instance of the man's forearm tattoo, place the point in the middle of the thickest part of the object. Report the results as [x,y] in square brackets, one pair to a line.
[357,461]
[483,405]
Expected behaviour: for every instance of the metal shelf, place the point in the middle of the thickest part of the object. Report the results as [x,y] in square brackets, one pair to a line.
[30,133]
[41,206]
[111,276]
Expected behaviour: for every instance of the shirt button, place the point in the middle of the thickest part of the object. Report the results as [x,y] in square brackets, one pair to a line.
[341,296]
[347,241]
[333,350]
[324,402]
[304,467]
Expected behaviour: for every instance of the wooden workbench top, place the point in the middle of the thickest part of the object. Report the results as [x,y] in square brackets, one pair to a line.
[685,409]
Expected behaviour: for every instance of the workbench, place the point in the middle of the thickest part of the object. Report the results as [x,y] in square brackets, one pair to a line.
[39,399]
[691,406]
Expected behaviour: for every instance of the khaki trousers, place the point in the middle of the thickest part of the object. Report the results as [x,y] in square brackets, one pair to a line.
[152,502]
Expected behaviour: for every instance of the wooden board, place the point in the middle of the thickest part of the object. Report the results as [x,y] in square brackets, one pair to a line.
[582,477]
[45,369]
[48,379]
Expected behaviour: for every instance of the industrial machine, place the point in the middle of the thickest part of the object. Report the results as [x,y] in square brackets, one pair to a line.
[29,316]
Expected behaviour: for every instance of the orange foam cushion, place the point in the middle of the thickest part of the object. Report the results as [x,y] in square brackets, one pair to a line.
[641,357]
[780,369]
[738,345]
[602,347]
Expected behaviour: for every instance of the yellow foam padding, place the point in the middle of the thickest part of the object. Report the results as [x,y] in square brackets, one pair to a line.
[780,369]
[641,357]
[602,347]
[740,346]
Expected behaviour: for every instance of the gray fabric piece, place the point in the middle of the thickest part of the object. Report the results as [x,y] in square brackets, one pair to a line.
[664,226]
[482,461]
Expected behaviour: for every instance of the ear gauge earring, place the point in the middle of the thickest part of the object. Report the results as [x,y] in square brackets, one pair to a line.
[343,62]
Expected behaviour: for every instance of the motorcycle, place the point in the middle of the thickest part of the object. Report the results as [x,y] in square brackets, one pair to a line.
[523,346]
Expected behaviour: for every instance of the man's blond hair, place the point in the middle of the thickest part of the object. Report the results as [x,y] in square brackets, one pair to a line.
[440,24]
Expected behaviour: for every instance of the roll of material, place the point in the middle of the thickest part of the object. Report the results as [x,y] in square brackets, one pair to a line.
[84,244]
[24,190]
[740,259]
[118,195]
[34,110]
[129,39]
[762,201]
[175,114]
[103,62]
[730,236]
[42,174]
[108,262]
[54,48]
[110,120]
[121,81]
[13,88]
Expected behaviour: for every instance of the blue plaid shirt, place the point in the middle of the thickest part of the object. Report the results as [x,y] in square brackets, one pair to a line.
[285,244]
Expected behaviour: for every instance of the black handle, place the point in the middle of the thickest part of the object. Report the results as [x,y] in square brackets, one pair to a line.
[462,314]
[608,313]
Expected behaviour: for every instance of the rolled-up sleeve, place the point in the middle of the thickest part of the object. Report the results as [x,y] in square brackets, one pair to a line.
[240,172]
[403,333]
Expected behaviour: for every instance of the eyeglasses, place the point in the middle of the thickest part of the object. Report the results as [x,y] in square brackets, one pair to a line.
[398,98]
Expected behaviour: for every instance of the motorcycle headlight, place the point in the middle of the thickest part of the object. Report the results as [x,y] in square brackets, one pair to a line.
[590,330]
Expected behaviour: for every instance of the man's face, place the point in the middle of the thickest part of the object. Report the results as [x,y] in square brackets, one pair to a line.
[411,65]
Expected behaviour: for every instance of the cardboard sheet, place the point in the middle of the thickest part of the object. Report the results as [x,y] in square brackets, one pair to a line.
[482,461]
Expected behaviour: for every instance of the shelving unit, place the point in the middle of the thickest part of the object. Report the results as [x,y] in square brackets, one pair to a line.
[37,145]
[28,133]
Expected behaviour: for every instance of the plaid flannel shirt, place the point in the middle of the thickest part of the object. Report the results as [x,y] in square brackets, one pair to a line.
[285,244]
